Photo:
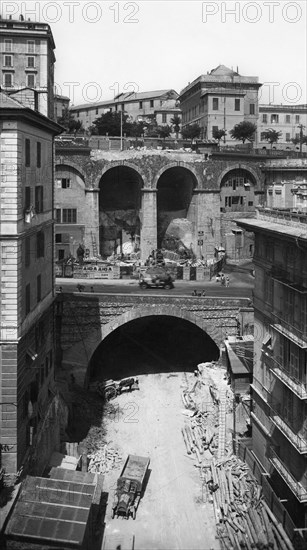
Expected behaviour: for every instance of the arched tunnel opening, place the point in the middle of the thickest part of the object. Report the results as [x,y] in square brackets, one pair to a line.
[175,213]
[119,211]
[152,344]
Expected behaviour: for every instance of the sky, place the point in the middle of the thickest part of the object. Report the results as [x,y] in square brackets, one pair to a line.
[104,48]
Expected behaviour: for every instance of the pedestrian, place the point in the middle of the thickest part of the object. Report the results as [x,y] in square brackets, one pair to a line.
[227,281]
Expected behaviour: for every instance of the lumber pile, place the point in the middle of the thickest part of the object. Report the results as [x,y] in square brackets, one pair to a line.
[103,460]
[243,518]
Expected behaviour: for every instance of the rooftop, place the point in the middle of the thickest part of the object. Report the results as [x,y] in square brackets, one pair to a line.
[127,97]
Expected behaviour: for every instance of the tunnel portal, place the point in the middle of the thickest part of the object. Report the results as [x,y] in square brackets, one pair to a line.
[157,343]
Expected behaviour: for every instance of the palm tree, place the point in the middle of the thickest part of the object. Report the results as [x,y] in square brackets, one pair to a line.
[176,121]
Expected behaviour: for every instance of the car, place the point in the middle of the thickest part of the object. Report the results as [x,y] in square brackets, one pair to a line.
[156,277]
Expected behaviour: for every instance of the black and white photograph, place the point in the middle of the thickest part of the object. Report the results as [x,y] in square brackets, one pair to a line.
[153,275]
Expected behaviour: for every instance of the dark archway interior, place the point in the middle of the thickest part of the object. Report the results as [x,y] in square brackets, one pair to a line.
[175,189]
[119,210]
[156,343]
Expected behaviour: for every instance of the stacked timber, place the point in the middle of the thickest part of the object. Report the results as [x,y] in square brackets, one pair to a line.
[243,518]
[103,460]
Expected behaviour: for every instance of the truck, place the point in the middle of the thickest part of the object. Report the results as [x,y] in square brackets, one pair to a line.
[129,487]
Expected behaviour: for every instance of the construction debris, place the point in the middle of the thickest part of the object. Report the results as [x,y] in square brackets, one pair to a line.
[104,460]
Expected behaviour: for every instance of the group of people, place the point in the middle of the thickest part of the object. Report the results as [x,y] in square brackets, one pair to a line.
[221,278]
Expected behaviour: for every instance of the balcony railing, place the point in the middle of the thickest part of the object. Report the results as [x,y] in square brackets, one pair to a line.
[296,386]
[295,486]
[261,390]
[299,442]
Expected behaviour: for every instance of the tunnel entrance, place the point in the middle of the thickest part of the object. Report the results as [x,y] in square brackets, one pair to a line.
[152,344]
[119,211]
[175,213]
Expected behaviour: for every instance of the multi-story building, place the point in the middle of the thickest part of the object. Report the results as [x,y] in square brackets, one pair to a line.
[220,100]
[61,106]
[285,183]
[279,419]
[139,106]
[27,63]
[28,401]
[286,119]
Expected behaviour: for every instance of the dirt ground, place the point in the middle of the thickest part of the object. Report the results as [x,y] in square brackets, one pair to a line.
[172,514]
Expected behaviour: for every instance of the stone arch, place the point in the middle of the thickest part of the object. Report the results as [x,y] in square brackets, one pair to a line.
[239,166]
[177,164]
[123,164]
[70,164]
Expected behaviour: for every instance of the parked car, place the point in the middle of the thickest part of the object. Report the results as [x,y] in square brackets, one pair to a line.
[156,277]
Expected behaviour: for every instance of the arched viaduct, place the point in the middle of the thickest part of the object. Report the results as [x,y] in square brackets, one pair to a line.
[139,196]
[83,322]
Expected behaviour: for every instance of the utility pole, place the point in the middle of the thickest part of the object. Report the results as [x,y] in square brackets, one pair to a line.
[121,130]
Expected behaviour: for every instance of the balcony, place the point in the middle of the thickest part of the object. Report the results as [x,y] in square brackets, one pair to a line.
[296,386]
[261,390]
[298,442]
[288,330]
[295,486]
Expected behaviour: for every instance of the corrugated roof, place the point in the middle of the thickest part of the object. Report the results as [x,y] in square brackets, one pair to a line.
[51,511]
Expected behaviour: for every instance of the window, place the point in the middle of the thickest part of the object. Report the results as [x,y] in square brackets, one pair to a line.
[164,120]
[38,288]
[215,104]
[39,199]
[58,237]
[30,62]
[151,103]
[297,118]
[140,104]
[297,136]
[27,152]
[8,61]
[63,183]
[58,215]
[8,80]
[78,114]
[265,118]
[27,197]
[61,254]
[31,46]
[28,299]
[8,45]
[97,111]
[288,119]
[287,136]
[40,244]
[69,215]
[262,136]
[27,251]
[214,129]
[274,119]
[252,109]
[250,203]
[31,80]
[237,104]
[38,154]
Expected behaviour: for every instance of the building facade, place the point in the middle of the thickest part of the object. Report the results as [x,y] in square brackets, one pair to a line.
[27,63]
[29,402]
[286,183]
[286,119]
[279,417]
[219,100]
[139,106]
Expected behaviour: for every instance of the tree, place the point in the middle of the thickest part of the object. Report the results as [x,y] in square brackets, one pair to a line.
[176,121]
[164,131]
[218,134]
[71,125]
[302,139]
[271,136]
[191,132]
[244,131]
[110,124]
[136,128]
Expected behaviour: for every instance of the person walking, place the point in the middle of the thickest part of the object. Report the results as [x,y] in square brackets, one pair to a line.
[227,281]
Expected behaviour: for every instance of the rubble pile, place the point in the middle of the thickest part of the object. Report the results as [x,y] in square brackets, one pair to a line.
[243,518]
[103,460]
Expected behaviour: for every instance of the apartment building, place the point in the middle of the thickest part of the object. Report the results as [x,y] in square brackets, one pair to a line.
[219,100]
[286,183]
[139,106]
[29,404]
[279,417]
[286,119]
[27,63]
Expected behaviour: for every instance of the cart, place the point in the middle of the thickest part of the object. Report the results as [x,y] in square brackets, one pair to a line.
[129,486]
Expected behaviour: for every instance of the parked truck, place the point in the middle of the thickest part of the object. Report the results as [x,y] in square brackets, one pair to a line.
[130,485]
